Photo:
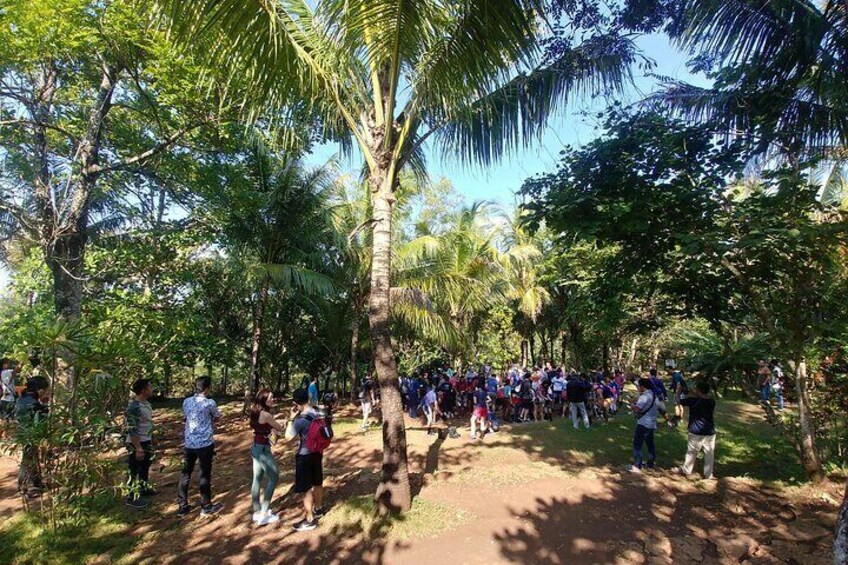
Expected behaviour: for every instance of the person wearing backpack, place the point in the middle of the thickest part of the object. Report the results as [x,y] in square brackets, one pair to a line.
[314,433]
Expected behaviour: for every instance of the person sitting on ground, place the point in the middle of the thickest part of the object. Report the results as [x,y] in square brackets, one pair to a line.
[646,410]
[139,419]
[481,411]
[199,414]
[309,466]
[604,397]
[31,408]
[702,432]
[263,424]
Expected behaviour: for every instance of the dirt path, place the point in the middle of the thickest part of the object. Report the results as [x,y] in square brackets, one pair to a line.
[505,499]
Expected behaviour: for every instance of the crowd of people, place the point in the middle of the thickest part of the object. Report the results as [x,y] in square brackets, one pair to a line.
[486,399]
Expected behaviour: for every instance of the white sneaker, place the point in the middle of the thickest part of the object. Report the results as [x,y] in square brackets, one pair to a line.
[257,516]
[268,518]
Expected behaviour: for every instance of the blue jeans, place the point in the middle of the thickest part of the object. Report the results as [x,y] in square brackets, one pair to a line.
[779,394]
[765,393]
[646,436]
[413,406]
[264,465]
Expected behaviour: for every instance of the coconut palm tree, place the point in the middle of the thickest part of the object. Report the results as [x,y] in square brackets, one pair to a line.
[390,75]
[275,223]
[782,72]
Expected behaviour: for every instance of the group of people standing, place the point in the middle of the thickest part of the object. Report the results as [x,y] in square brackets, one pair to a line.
[305,422]
[521,395]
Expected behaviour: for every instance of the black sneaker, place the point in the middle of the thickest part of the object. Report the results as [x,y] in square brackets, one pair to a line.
[210,509]
[319,512]
[305,526]
[184,511]
[138,503]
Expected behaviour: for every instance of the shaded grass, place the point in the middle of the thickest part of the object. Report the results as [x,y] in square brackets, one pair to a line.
[424,520]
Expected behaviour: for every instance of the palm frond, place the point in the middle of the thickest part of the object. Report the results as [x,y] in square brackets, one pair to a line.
[298,278]
[517,112]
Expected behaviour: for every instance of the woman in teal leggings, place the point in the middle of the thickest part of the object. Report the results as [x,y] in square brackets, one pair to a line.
[263,424]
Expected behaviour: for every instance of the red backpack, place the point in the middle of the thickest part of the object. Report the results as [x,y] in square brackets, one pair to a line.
[319,435]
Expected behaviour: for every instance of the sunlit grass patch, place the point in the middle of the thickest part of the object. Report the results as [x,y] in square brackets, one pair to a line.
[425,519]
[23,539]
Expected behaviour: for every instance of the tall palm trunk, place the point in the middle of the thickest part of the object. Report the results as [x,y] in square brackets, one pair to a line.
[258,317]
[354,347]
[807,429]
[393,493]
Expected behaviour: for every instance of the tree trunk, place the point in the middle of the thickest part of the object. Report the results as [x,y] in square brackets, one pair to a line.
[840,543]
[524,356]
[226,375]
[532,342]
[66,260]
[605,356]
[631,358]
[258,317]
[807,429]
[393,493]
[354,348]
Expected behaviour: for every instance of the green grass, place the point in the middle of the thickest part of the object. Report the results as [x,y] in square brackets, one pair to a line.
[746,446]
[23,539]
[425,519]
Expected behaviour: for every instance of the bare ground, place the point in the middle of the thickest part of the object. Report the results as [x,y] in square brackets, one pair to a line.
[508,498]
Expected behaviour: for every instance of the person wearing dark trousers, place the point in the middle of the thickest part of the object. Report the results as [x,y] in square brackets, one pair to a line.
[199,413]
[139,417]
[646,409]
[30,410]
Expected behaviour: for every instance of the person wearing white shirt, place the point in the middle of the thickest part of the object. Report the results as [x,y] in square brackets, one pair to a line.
[646,410]
[7,390]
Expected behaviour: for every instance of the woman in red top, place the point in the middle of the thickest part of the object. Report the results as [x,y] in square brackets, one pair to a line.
[263,423]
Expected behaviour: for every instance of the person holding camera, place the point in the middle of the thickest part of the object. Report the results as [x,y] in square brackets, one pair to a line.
[139,419]
[646,409]
[313,429]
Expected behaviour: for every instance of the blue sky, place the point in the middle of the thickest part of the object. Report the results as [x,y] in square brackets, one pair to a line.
[500,181]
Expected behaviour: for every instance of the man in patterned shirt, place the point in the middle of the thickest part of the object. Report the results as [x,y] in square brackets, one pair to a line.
[199,413]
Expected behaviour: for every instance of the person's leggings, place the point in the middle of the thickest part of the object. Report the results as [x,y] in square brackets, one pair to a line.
[265,466]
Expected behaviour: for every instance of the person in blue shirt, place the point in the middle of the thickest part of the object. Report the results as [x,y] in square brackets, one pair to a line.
[199,414]
[657,386]
[313,391]
[413,387]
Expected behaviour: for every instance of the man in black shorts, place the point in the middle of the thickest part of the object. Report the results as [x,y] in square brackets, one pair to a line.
[308,467]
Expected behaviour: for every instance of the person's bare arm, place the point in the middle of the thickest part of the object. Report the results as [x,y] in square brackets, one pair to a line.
[268,418]
[290,433]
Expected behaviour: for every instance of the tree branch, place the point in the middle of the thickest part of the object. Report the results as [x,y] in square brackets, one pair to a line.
[143,156]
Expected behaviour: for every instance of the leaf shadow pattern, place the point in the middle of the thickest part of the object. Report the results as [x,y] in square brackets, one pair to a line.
[638,519]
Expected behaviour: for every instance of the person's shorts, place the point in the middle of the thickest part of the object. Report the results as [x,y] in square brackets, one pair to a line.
[308,471]
[480,412]
[527,403]
[366,406]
